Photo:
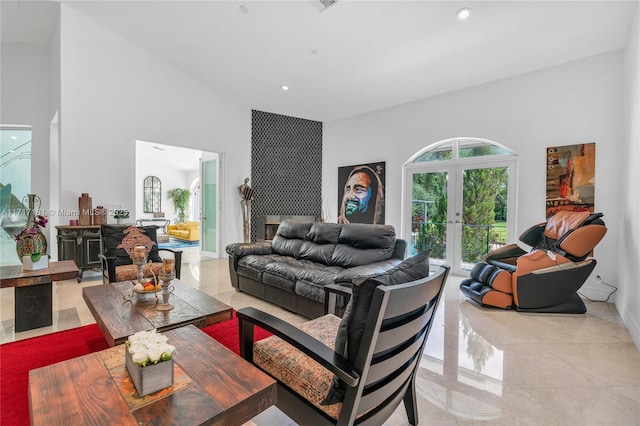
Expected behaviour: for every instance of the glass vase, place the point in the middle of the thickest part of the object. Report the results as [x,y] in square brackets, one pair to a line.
[33,241]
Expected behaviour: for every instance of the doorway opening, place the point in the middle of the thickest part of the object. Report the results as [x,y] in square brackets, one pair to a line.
[178,167]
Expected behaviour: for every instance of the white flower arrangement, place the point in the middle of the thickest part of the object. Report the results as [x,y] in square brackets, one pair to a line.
[149,347]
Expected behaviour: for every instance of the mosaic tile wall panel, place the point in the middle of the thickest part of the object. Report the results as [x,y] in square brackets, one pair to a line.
[286,166]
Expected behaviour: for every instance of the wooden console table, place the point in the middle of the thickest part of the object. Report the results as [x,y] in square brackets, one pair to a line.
[212,385]
[33,294]
[165,222]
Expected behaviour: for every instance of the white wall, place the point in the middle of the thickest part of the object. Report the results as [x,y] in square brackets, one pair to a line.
[628,300]
[114,93]
[573,103]
[169,178]
[25,93]
[54,138]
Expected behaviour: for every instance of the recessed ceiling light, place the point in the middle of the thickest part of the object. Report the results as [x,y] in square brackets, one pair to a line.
[284,87]
[464,14]
[15,138]
[244,9]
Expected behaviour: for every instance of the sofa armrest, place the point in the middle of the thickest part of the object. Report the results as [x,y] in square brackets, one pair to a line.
[194,234]
[347,275]
[245,249]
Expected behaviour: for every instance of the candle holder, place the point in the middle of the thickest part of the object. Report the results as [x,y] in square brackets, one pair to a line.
[139,262]
[167,289]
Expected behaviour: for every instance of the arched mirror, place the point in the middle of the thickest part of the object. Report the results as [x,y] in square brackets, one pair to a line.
[152,197]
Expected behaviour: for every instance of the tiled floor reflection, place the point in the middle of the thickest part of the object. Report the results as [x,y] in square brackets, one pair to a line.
[480,365]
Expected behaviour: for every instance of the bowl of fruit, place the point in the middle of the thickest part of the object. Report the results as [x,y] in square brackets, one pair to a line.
[146,286]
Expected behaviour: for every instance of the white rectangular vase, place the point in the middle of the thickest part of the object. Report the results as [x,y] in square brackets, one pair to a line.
[29,265]
[151,378]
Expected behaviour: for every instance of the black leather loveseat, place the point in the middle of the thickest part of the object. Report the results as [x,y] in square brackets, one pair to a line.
[292,270]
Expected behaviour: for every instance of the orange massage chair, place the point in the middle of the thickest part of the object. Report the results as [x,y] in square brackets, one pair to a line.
[547,278]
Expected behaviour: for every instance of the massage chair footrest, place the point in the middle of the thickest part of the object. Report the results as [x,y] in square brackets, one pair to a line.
[489,286]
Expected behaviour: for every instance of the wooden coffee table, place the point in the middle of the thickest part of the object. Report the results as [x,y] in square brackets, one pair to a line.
[212,385]
[119,319]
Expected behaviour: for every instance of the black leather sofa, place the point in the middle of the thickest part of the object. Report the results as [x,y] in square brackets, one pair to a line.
[303,257]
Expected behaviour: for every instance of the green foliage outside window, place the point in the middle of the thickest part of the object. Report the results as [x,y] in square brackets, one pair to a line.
[485,193]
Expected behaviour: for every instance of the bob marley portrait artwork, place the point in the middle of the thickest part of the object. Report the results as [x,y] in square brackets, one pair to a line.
[361,193]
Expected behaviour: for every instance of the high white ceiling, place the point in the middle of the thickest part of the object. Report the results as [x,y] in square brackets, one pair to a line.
[356,56]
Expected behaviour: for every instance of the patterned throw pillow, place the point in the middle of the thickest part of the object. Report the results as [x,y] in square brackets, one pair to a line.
[115,235]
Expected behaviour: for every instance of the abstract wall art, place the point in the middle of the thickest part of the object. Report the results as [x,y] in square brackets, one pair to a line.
[571,172]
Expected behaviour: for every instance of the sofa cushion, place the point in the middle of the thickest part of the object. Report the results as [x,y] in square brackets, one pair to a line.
[252,266]
[320,242]
[310,290]
[319,274]
[292,229]
[361,244]
[355,317]
[347,275]
[278,281]
[324,233]
[113,236]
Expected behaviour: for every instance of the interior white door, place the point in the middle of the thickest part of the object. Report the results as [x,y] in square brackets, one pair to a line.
[209,204]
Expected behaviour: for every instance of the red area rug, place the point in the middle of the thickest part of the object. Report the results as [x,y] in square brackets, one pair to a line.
[17,358]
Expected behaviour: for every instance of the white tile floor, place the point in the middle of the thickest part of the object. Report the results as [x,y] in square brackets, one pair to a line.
[480,365]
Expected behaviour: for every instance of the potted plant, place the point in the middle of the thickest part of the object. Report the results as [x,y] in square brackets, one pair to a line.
[120,215]
[180,198]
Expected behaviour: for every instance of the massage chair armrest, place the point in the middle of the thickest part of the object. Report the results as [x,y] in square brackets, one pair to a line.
[505,257]
[244,249]
[310,346]
[506,254]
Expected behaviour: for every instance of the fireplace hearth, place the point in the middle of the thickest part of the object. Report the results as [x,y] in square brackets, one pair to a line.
[267,225]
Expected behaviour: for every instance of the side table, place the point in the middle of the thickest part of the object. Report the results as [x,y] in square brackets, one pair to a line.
[155,221]
[33,294]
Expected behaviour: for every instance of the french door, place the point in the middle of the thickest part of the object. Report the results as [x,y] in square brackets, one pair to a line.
[459,210]
[209,204]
